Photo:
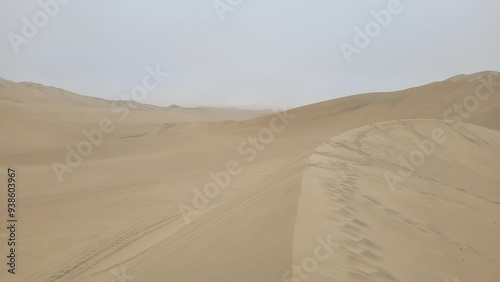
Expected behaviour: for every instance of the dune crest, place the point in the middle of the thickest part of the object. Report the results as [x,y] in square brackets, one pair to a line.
[441,222]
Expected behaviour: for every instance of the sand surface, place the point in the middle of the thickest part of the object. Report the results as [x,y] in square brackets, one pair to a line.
[301,195]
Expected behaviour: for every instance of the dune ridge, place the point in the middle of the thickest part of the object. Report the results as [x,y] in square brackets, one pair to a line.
[421,231]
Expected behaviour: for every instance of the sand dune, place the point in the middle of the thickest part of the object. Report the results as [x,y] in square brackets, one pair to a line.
[439,223]
[294,179]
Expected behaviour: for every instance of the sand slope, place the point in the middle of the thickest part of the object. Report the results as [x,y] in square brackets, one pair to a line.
[119,209]
[441,222]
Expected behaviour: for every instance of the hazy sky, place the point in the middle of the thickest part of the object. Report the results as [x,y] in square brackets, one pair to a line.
[263,53]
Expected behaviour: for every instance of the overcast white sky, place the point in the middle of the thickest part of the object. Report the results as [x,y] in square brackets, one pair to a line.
[264,53]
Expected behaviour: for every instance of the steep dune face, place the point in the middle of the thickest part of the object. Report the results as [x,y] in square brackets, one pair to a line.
[413,200]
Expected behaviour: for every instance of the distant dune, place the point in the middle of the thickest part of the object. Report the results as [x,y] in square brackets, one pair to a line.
[399,186]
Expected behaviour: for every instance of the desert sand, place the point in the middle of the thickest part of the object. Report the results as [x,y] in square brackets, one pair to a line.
[399,186]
